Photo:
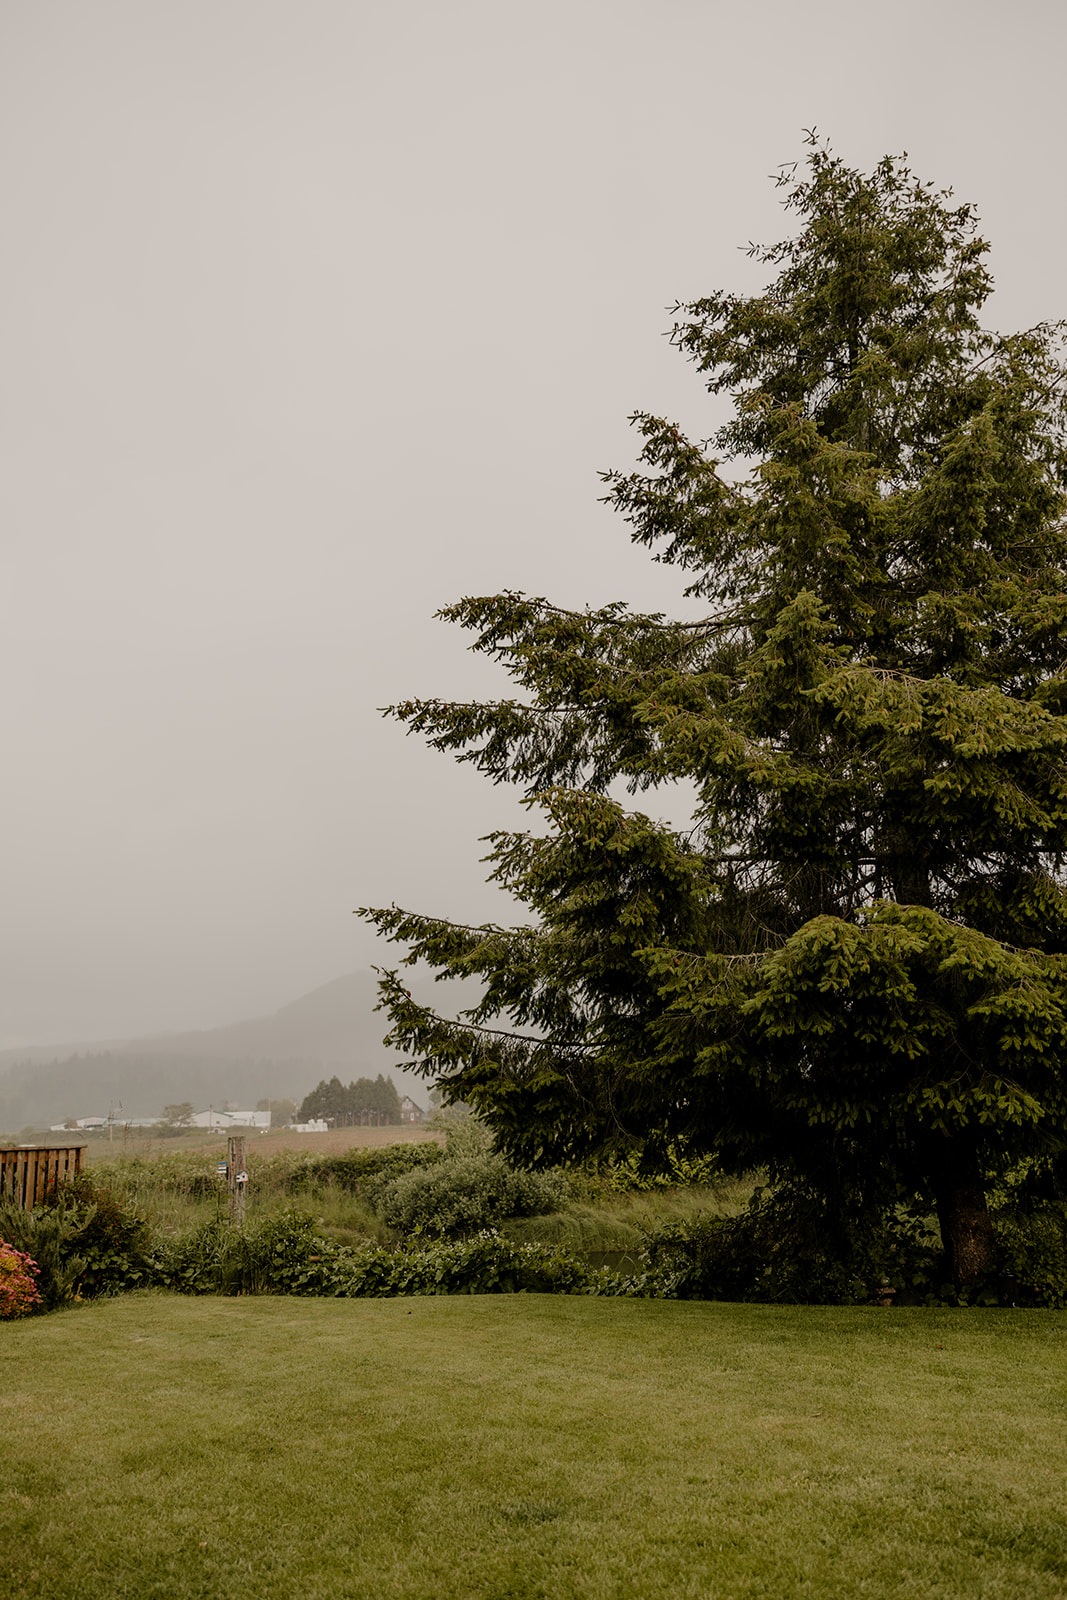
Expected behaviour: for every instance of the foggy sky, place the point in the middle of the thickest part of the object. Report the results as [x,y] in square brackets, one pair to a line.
[318,315]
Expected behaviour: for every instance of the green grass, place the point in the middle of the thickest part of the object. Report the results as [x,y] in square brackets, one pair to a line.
[619,1222]
[511,1447]
[160,1185]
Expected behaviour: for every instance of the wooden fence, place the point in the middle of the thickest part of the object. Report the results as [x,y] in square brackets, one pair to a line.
[27,1174]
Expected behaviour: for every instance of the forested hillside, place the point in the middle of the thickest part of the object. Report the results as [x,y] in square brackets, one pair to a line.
[332,1030]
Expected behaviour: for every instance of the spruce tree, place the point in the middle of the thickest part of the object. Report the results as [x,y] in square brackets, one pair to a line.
[851,970]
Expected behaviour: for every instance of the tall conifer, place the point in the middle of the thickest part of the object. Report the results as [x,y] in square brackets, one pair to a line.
[852,968]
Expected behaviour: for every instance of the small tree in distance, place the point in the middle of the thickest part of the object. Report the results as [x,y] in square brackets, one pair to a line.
[282,1111]
[180,1115]
[851,969]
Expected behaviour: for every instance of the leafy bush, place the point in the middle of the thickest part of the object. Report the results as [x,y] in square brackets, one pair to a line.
[84,1240]
[19,1294]
[679,1171]
[367,1172]
[280,1255]
[49,1235]
[1033,1251]
[111,1238]
[787,1249]
[488,1264]
[189,1262]
[458,1198]
[284,1255]
[465,1133]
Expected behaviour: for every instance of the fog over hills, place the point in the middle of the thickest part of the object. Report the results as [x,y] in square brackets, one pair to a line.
[334,1029]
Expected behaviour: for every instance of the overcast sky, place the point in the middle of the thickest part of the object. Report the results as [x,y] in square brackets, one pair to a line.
[318,314]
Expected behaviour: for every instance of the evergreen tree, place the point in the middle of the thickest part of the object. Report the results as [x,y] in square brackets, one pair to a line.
[851,969]
[328,1100]
[370,1097]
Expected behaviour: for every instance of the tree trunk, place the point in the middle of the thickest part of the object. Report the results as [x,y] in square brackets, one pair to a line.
[966,1231]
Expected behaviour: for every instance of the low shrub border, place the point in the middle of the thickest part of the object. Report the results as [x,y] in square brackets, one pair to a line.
[19,1293]
[284,1255]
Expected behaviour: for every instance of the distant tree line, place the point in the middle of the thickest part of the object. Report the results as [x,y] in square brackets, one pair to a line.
[373,1098]
[36,1093]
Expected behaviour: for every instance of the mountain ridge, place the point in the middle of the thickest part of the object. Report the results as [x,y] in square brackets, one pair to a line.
[331,1029]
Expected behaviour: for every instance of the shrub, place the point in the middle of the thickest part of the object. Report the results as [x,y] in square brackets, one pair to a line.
[465,1135]
[788,1249]
[679,1172]
[488,1264]
[284,1255]
[189,1262]
[458,1198]
[85,1242]
[49,1236]
[19,1294]
[367,1172]
[111,1238]
[280,1255]
[1032,1243]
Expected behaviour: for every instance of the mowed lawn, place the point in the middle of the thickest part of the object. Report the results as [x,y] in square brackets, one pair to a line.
[522,1446]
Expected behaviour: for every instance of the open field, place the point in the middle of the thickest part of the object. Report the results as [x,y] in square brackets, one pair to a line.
[159,1180]
[333,1143]
[520,1447]
[98,1147]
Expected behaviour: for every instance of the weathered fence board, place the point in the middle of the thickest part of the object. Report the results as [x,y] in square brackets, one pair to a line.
[26,1175]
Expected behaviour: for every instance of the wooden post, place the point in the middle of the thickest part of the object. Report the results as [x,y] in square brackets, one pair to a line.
[237,1178]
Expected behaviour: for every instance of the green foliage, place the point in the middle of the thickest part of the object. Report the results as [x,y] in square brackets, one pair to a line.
[851,969]
[489,1264]
[465,1134]
[787,1248]
[283,1254]
[277,1255]
[368,1172]
[675,1169]
[85,1239]
[365,1097]
[190,1262]
[112,1238]
[50,1236]
[1032,1241]
[19,1294]
[464,1196]
[191,1175]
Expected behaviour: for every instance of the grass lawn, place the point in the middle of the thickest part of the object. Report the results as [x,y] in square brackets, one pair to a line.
[514,1446]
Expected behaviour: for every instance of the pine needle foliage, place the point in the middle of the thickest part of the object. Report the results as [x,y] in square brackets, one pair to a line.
[851,970]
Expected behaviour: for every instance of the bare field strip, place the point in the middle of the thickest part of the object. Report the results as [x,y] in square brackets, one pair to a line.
[333,1143]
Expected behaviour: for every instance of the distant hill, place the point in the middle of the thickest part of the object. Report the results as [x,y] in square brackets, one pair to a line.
[334,1029]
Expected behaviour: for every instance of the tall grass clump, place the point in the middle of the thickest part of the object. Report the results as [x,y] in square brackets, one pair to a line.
[182,1190]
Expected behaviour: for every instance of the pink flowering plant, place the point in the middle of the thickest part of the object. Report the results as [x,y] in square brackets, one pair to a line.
[18,1282]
